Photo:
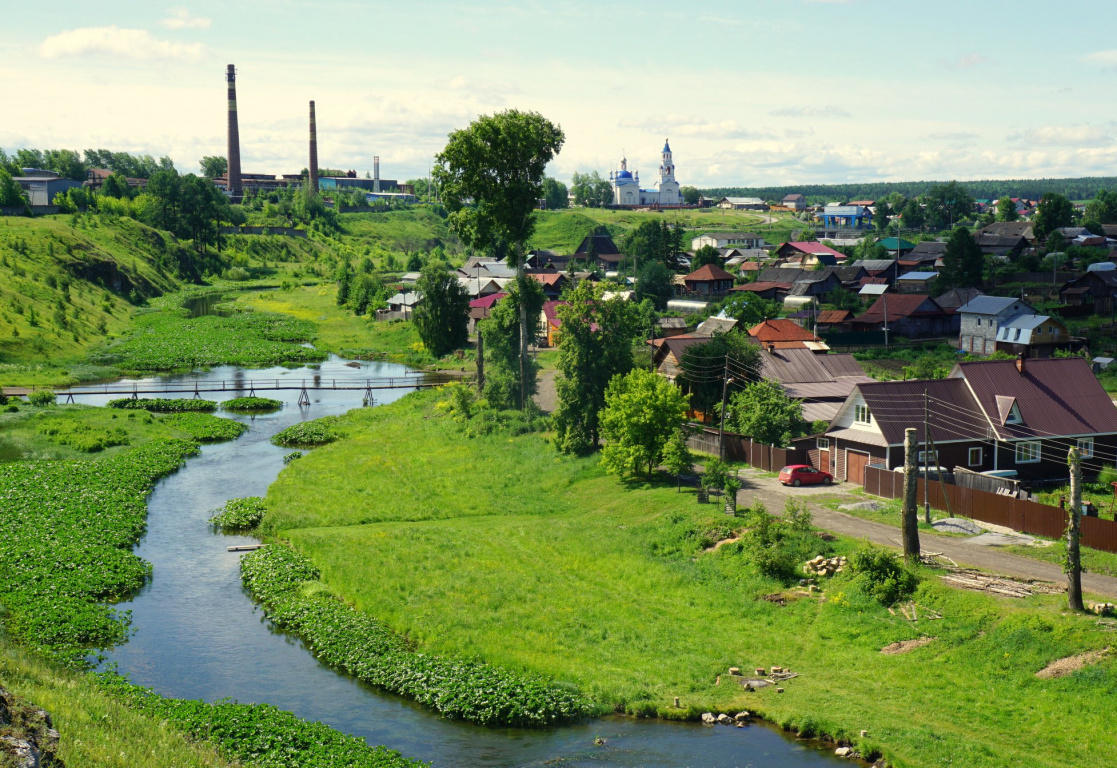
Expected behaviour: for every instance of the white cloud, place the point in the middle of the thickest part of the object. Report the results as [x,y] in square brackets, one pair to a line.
[1083,135]
[1104,58]
[827,111]
[180,18]
[116,42]
[968,61]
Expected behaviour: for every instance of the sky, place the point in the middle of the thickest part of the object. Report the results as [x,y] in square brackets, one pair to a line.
[779,92]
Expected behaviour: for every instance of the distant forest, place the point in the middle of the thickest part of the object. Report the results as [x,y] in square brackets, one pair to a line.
[989,189]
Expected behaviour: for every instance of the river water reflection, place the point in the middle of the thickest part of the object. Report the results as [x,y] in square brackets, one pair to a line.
[197,635]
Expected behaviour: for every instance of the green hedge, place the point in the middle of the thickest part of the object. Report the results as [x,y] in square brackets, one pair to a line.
[164,405]
[251,405]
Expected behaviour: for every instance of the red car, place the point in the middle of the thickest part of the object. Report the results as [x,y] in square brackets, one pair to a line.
[804,474]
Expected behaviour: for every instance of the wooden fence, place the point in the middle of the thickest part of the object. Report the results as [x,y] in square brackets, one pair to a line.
[1017,514]
[739,448]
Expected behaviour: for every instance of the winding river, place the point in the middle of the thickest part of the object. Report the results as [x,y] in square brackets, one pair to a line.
[197,634]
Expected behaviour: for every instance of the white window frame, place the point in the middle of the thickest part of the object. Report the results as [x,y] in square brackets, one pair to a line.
[923,458]
[860,409]
[1085,447]
[1014,415]
[970,456]
[823,444]
[1034,452]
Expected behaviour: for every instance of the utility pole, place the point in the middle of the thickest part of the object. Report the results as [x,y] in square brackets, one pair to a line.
[909,522]
[1073,565]
[480,360]
[724,394]
[885,297]
[926,461]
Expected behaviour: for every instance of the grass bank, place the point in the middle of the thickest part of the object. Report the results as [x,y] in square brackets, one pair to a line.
[500,549]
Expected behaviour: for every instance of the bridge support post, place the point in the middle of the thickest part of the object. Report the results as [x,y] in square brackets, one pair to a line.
[369,399]
[304,398]
[69,397]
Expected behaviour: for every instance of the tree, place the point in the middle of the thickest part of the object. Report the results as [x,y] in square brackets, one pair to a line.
[442,317]
[948,204]
[491,177]
[880,216]
[913,215]
[11,195]
[344,278]
[594,347]
[691,195]
[642,411]
[501,332]
[677,456]
[1103,208]
[1006,210]
[655,240]
[703,367]
[366,294]
[214,166]
[707,254]
[962,263]
[590,190]
[654,282]
[115,185]
[554,192]
[764,412]
[748,308]
[1054,211]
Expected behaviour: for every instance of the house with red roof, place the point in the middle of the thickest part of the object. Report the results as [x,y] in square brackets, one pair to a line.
[554,283]
[911,315]
[785,334]
[708,280]
[1018,415]
[481,308]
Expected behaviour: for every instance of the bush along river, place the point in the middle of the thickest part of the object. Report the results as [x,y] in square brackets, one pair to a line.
[197,634]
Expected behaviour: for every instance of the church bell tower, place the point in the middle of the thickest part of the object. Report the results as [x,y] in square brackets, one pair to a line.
[667,165]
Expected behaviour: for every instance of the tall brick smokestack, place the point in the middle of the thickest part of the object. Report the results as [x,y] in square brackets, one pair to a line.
[313,152]
[233,174]
[376,174]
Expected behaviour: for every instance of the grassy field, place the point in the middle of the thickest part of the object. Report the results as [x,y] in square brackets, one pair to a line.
[497,547]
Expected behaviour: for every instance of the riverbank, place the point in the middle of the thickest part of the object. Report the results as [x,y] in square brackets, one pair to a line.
[497,547]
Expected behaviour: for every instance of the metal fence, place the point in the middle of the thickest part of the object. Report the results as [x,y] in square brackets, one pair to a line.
[1017,514]
[739,448]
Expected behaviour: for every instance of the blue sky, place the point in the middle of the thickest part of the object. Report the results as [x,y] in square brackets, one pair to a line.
[750,93]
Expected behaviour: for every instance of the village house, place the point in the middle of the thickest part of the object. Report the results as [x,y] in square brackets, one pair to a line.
[1004,247]
[670,326]
[911,315]
[1096,287]
[721,240]
[821,382]
[1033,336]
[554,283]
[956,297]
[667,355]
[834,321]
[708,280]
[765,289]
[896,246]
[807,254]
[742,204]
[480,309]
[542,258]
[785,334]
[795,202]
[888,269]
[1010,229]
[915,282]
[599,250]
[1018,416]
[981,318]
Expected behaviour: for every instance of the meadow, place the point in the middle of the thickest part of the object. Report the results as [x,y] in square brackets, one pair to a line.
[499,549]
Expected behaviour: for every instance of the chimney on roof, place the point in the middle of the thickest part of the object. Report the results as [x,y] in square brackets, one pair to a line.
[1020,362]
[233,174]
[313,170]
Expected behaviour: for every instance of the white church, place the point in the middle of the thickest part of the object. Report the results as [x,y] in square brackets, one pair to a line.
[626,185]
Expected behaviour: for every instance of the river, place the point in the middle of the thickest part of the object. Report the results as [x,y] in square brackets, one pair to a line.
[198,635]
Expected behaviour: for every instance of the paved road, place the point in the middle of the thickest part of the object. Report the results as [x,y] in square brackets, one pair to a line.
[768,490]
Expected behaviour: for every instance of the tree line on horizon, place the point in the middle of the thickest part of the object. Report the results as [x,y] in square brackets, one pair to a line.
[1081,188]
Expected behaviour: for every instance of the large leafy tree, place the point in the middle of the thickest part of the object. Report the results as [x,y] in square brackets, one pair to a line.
[707,254]
[913,216]
[962,263]
[691,195]
[948,203]
[642,411]
[590,190]
[491,178]
[442,317]
[10,193]
[654,282]
[1103,208]
[214,166]
[704,365]
[554,192]
[1054,211]
[764,412]
[1006,210]
[595,345]
[748,309]
[655,240]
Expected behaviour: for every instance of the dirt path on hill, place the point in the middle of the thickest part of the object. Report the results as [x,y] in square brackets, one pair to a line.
[545,395]
[774,495]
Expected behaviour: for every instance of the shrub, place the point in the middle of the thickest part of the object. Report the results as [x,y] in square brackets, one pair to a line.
[41,397]
[307,434]
[882,575]
[164,404]
[292,456]
[237,274]
[84,437]
[778,548]
[251,405]
[240,514]
[1107,477]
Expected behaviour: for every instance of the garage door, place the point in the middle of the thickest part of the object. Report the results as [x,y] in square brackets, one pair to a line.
[855,467]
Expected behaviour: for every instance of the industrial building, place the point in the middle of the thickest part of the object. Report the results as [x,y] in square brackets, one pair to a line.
[41,186]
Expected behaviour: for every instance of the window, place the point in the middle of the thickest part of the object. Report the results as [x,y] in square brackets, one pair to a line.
[1014,416]
[823,444]
[929,458]
[1086,447]
[974,458]
[1028,453]
[861,414]
[979,322]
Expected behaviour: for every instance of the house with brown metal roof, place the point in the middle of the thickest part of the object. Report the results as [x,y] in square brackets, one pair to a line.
[912,315]
[765,289]
[1017,416]
[708,280]
[667,356]
[553,283]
